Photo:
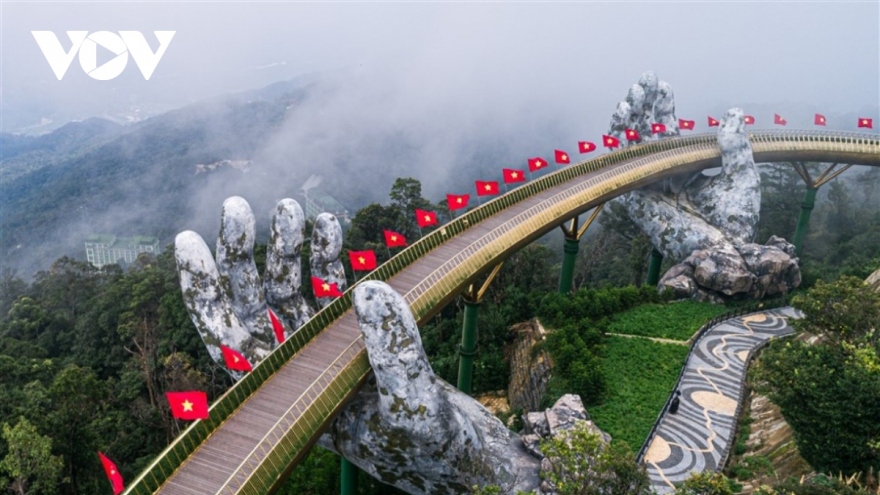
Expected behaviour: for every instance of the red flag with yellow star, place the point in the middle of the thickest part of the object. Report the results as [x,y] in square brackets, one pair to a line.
[819,119]
[713,122]
[657,128]
[188,405]
[631,134]
[686,124]
[586,146]
[486,188]
[610,141]
[393,239]
[112,474]
[864,122]
[426,218]
[778,120]
[562,157]
[277,327]
[362,260]
[323,289]
[749,120]
[234,359]
[536,164]
[512,175]
[454,202]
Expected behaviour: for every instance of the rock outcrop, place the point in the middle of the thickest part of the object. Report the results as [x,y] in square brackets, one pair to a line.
[707,223]
[529,370]
[874,280]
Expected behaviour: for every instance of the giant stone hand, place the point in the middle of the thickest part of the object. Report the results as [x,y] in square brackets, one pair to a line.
[705,223]
[406,427]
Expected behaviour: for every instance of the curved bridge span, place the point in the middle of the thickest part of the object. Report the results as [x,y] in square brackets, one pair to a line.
[262,427]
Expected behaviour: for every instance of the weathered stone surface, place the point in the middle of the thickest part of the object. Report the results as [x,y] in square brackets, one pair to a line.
[749,269]
[283,265]
[529,370]
[235,263]
[731,200]
[209,302]
[874,280]
[412,429]
[325,250]
[705,223]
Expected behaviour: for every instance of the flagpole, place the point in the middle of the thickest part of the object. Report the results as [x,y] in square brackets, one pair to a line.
[388,250]
[420,232]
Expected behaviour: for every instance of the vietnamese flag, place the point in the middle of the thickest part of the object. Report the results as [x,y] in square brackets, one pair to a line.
[428,218]
[393,239]
[686,124]
[562,157]
[713,122]
[277,327]
[632,135]
[863,122]
[234,359]
[748,119]
[453,202]
[777,119]
[112,474]
[322,289]
[487,188]
[610,141]
[586,146]
[819,119]
[362,260]
[536,164]
[657,128]
[188,405]
[512,175]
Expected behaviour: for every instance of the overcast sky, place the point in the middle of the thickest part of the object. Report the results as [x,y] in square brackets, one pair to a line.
[564,58]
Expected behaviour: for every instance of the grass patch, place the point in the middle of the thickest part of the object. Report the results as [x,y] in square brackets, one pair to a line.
[640,375]
[676,321]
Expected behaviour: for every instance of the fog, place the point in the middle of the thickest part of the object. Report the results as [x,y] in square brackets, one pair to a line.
[430,89]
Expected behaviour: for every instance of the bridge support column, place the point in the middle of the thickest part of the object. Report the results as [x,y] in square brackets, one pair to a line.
[468,348]
[804,219]
[570,249]
[569,257]
[654,267]
[813,186]
[348,478]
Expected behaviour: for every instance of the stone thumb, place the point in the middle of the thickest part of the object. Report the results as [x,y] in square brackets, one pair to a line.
[406,383]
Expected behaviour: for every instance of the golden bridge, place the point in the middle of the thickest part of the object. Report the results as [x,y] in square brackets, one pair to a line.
[262,427]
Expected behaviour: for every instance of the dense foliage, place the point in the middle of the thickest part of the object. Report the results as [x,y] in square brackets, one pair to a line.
[830,391]
[678,321]
[639,375]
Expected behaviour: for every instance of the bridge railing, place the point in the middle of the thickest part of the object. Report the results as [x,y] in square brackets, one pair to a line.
[767,305]
[188,441]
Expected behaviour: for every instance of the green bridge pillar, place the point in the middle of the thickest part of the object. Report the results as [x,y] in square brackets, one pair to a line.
[804,219]
[349,478]
[654,267]
[569,257]
[468,348]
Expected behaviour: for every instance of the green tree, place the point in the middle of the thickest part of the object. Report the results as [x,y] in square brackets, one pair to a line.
[705,483]
[830,392]
[581,463]
[29,466]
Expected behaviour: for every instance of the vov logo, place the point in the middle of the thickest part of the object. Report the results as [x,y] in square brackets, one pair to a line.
[86,45]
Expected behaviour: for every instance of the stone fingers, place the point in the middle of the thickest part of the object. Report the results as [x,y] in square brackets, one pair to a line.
[283,277]
[235,264]
[208,301]
[326,247]
[408,388]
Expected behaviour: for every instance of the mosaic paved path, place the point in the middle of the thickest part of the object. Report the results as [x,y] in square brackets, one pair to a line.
[698,436]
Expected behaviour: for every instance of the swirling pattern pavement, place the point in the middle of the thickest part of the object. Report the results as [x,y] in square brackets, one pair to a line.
[699,435]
